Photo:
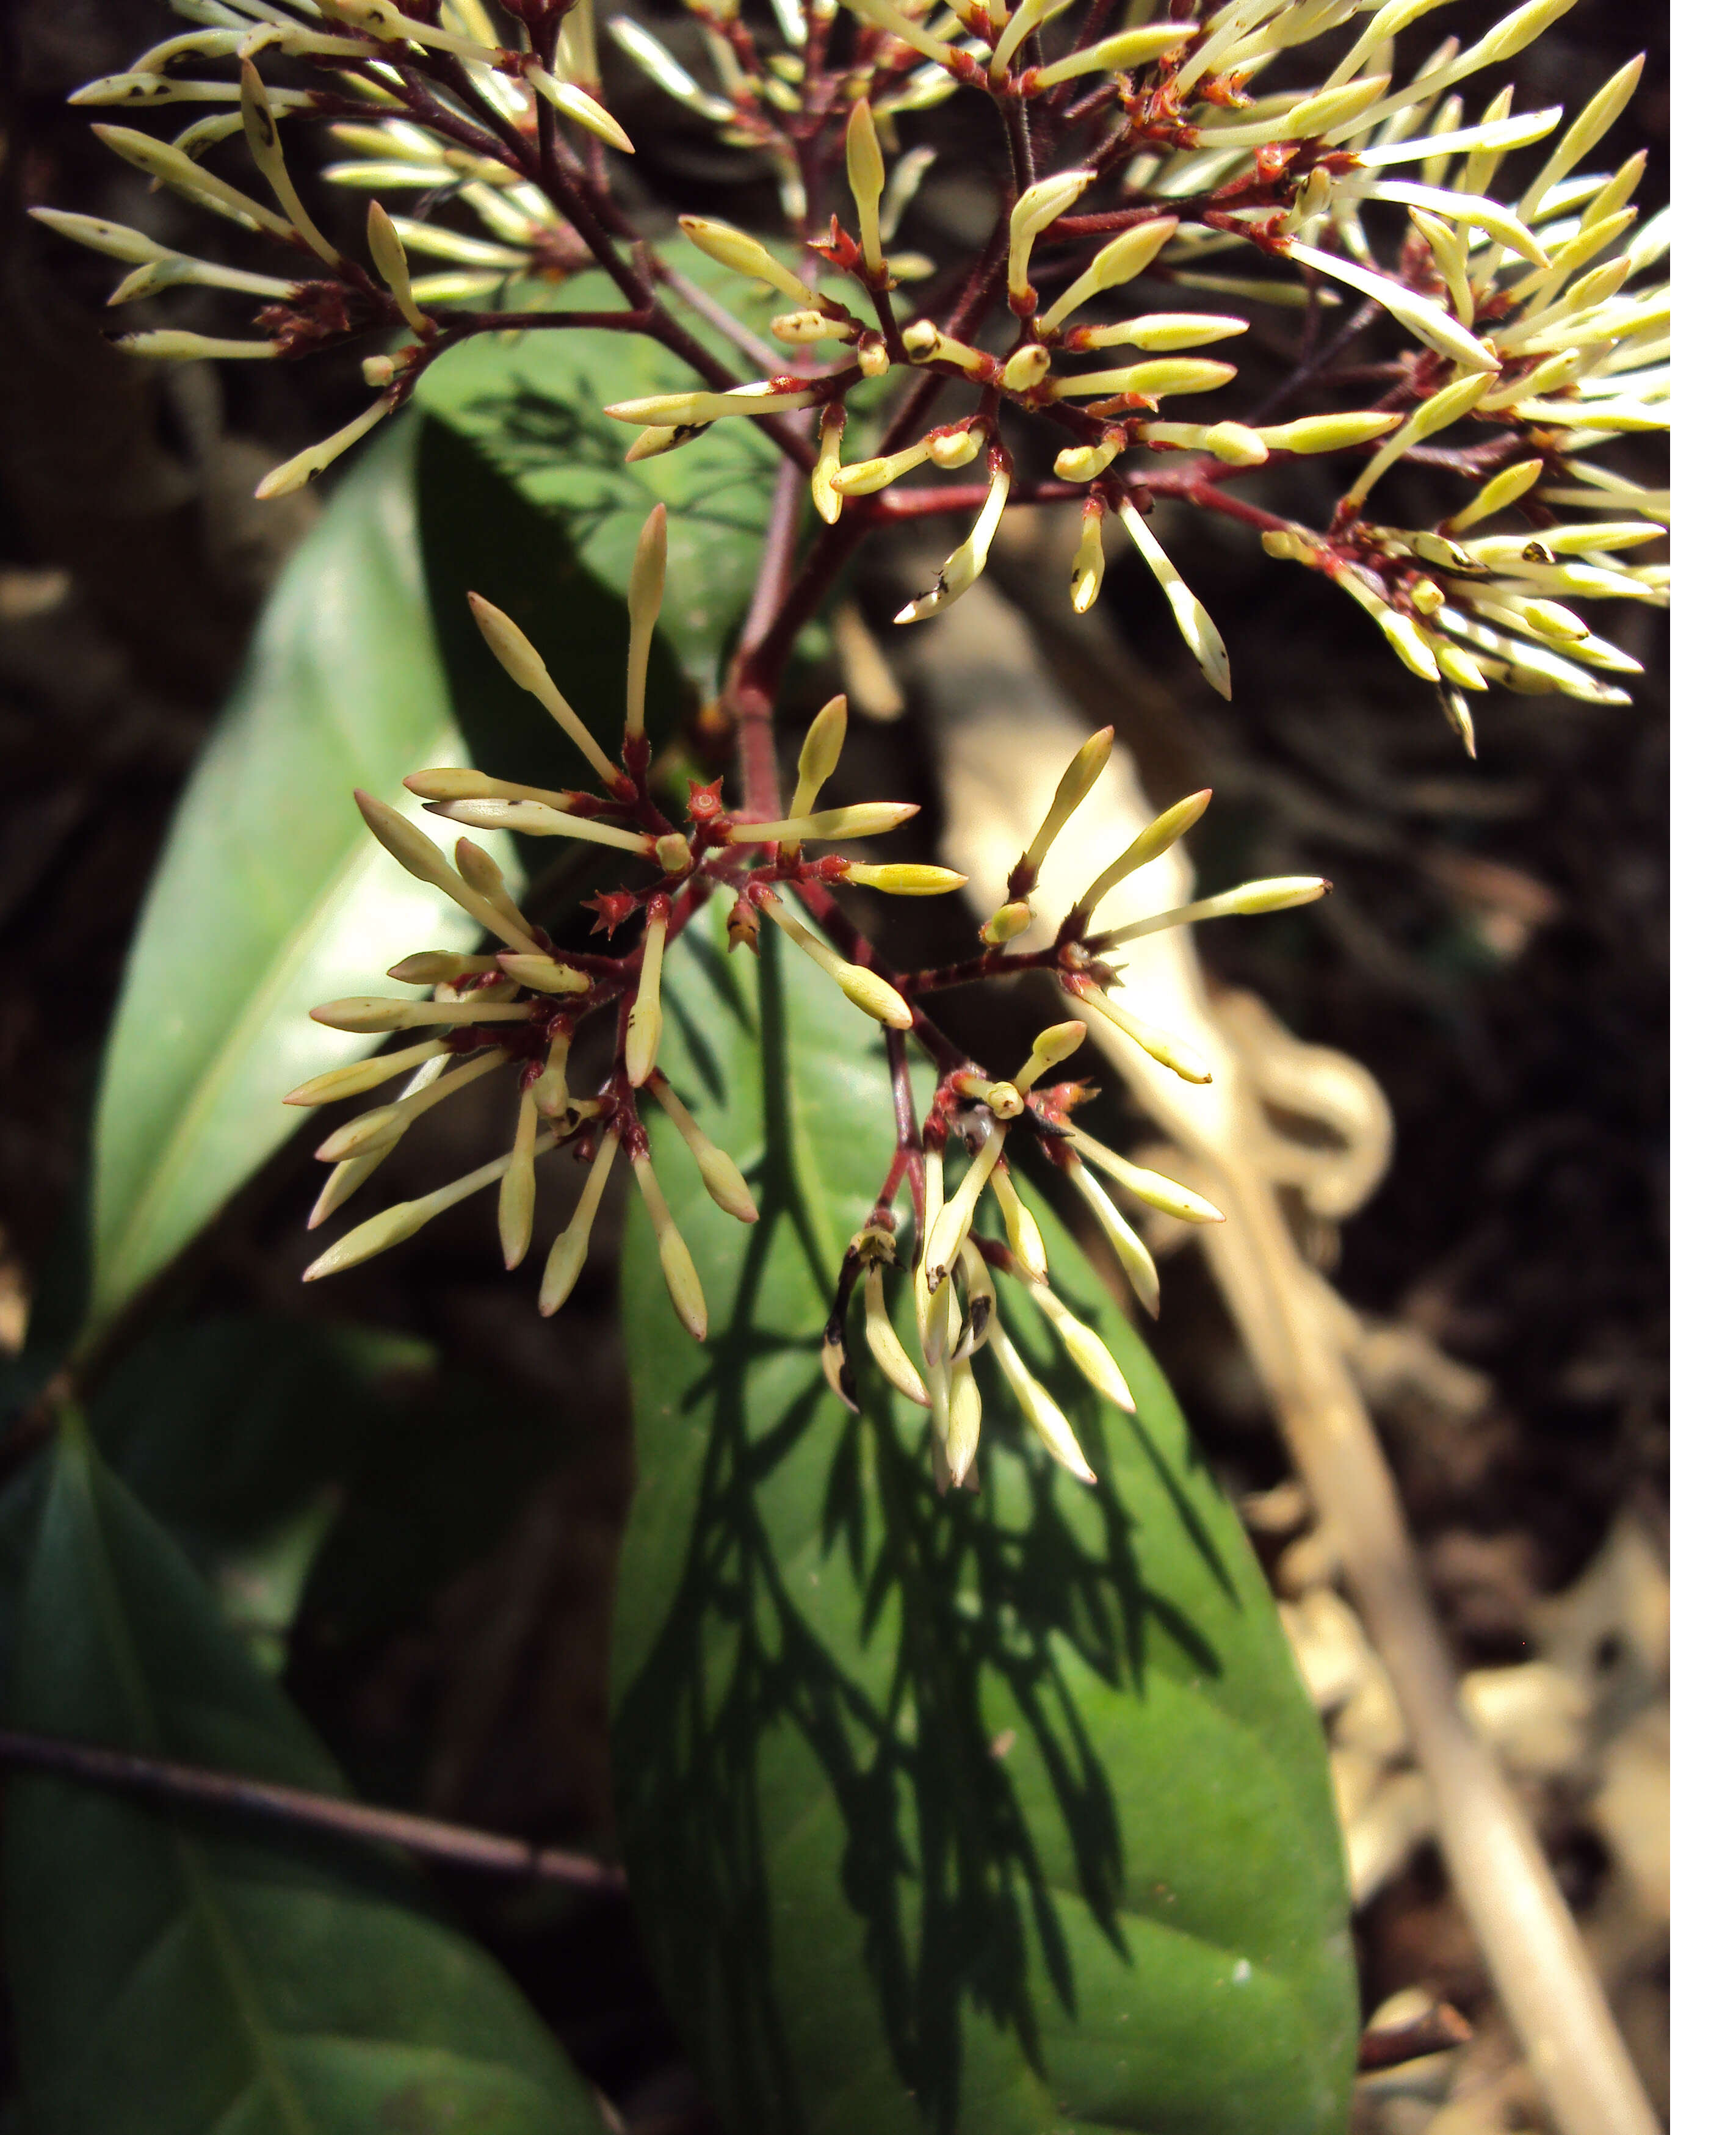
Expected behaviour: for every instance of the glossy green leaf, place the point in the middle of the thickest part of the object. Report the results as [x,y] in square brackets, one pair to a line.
[271,897]
[535,405]
[1004,1813]
[172,1975]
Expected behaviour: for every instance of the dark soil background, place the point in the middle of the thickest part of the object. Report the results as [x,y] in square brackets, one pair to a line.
[1494,953]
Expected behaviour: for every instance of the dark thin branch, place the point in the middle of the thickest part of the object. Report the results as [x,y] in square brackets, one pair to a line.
[159,1780]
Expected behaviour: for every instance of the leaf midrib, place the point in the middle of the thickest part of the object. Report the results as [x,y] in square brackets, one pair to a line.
[202,1904]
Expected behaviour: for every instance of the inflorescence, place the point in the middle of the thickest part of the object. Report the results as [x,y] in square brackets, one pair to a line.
[1140,160]
[1146,168]
[520,1006]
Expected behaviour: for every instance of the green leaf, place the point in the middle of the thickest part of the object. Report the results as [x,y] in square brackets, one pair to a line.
[1004,1813]
[271,897]
[535,405]
[178,1974]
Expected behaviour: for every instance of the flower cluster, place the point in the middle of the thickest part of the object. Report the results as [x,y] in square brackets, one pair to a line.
[1531,337]
[954,1264]
[520,1007]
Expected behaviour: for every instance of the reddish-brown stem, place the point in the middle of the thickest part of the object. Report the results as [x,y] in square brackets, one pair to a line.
[753,686]
[157,1779]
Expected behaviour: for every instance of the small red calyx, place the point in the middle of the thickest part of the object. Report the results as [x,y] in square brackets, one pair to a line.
[611,907]
[705,803]
[1054,1104]
[839,247]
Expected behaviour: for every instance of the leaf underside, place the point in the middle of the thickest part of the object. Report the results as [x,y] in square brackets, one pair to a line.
[1003,1813]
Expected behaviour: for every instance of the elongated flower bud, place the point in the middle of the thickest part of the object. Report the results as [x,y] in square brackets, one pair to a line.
[1327,433]
[965,565]
[1150,1187]
[1157,330]
[925,343]
[567,1255]
[722,1178]
[1277,893]
[568,98]
[372,1013]
[1075,782]
[1599,114]
[384,1126]
[1033,211]
[678,411]
[1040,1408]
[526,667]
[1166,376]
[1126,255]
[1400,632]
[1088,1349]
[802,329]
[1125,1242]
[863,477]
[178,171]
[1024,1240]
[391,1227]
[864,819]
[1171,1053]
[862,988]
[946,1233]
[828,503]
[1199,633]
[455,782]
[964,1419]
[645,1018]
[361,1075]
[666,71]
[1087,579]
[679,1272]
[1304,121]
[743,254]
[644,602]
[1121,54]
[267,150]
[905,877]
[1496,494]
[1154,840]
[545,974]
[387,248]
[1429,322]
[296,473]
[418,855]
[518,1186]
[1437,413]
[885,15]
[883,1346]
[174,345]
[532,818]
[866,167]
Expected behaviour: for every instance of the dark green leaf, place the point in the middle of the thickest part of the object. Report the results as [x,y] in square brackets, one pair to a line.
[482,533]
[535,405]
[271,897]
[1003,1813]
[184,1975]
